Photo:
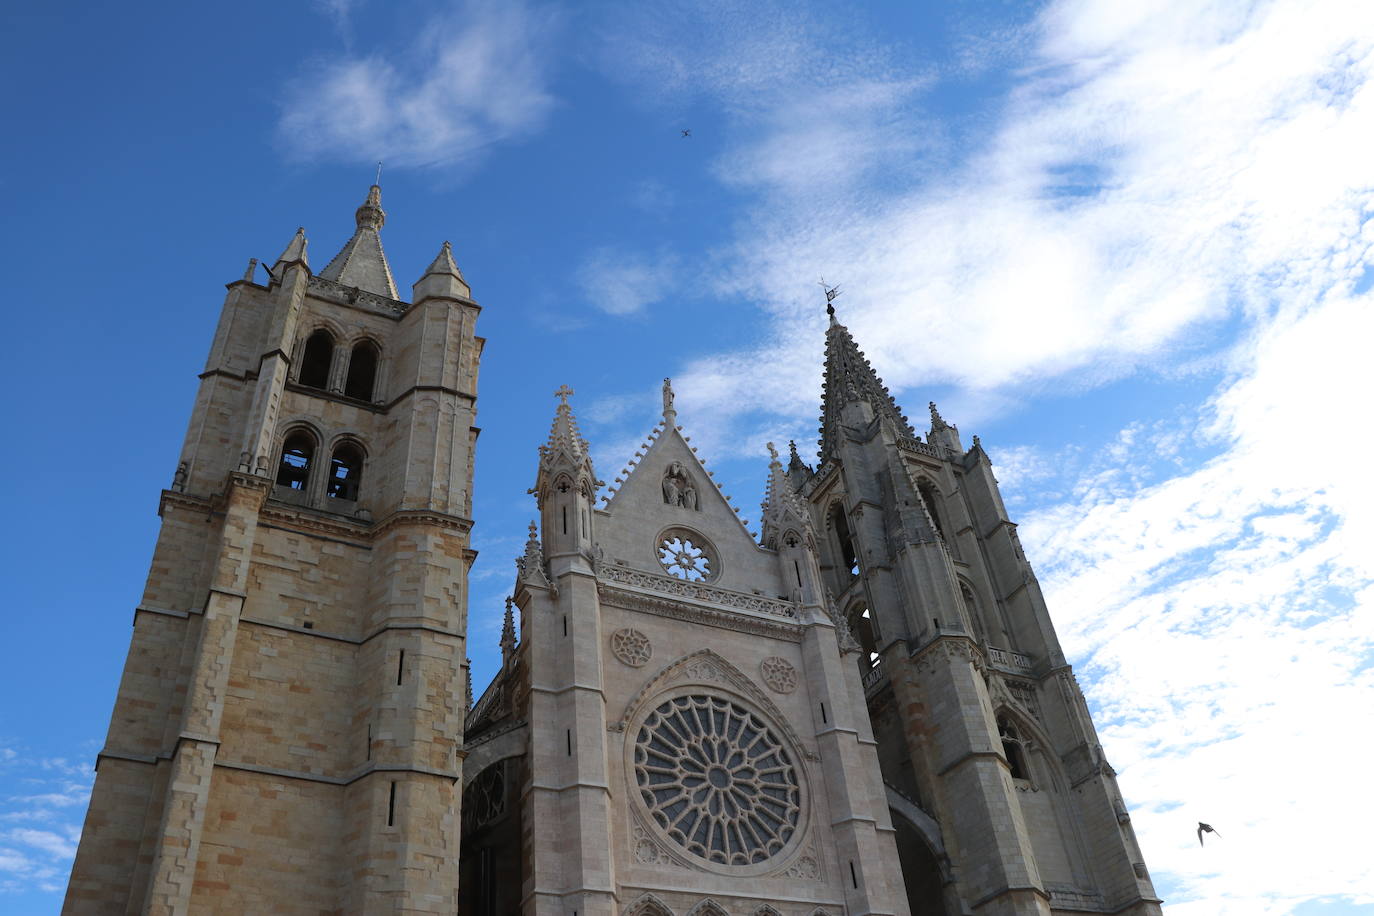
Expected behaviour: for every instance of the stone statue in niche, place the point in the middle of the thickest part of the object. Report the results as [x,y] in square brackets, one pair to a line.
[678,488]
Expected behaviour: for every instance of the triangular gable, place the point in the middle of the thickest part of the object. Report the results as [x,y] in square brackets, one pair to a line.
[669,484]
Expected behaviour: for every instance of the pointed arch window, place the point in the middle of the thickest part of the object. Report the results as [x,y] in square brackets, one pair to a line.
[1012,748]
[345,472]
[316,360]
[362,371]
[844,540]
[297,452]
[931,500]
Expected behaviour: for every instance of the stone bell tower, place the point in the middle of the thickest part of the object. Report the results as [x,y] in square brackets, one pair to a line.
[1002,799]
[287,729]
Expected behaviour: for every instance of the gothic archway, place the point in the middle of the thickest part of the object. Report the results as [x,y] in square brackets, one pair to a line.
[490,865]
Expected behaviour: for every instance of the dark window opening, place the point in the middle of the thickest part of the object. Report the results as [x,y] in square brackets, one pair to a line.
[362,371]
[853,875]
[824,720]
[391,807]
[296,453]
[570,742]
[1011,747]
[316,360]
[928,496]
[848,556]
[345,472]
[400,666]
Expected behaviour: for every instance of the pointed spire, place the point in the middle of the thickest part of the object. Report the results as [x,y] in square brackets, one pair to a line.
[508,634]
[362,263]
[942,433]
[295,252]
[849,377]
[530,566]
[442,279]
[936,421]
[566,449]
[782,508]
[251,269]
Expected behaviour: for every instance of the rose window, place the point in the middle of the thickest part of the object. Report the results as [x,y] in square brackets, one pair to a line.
[717,780]
[684,559]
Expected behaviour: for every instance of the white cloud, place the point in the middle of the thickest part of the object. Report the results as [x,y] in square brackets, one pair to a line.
[1131,196]
[1227,619]
[623,282]
[472,77]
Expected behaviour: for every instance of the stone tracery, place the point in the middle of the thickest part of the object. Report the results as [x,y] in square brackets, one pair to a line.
[716,780]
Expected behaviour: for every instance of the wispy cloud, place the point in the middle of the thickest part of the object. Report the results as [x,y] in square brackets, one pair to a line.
[621,282]
[472,77]
[41,818]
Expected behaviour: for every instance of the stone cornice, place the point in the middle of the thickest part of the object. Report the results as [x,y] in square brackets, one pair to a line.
[339,294]
[679,609]
[696,591]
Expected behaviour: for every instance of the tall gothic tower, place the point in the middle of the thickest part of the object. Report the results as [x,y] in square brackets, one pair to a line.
[866,711]
[287,732]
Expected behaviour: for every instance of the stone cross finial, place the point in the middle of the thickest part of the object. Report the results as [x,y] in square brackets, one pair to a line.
[563,393]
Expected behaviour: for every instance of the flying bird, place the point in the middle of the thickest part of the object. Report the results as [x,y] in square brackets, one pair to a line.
[687,133]
[1205,828]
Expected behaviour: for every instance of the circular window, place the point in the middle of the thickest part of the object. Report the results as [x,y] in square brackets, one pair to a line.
[717,781]
[684,558]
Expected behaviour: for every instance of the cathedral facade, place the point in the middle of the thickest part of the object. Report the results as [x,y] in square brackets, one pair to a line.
[864,710]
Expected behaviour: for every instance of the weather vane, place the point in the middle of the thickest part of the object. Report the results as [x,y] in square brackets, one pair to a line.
[830,293]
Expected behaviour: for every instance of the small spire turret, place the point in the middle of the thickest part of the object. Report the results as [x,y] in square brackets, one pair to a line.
[295,253]
[508,634]
[442,279]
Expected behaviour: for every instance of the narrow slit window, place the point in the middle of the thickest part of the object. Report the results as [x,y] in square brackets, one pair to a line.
[362,371]
[316,360]
[296,454]
[369,741]
[570,742]
[824,720]
[391,806]
[400,666]
[345,472]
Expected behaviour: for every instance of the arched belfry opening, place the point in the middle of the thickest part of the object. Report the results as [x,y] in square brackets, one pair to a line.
[362,371]
[316,360]
[297,453]
[345,472]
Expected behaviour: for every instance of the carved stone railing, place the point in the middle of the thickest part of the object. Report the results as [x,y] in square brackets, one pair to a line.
[341,293]
[1009,660]
[874,680]
[696,591]
[921,448]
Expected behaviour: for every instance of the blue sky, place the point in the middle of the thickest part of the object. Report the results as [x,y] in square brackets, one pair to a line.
[1126,244]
